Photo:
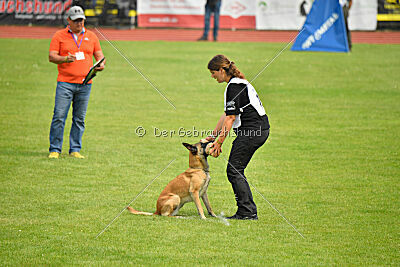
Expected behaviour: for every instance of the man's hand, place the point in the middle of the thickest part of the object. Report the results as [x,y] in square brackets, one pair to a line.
[100,68]
[55,58]
[70,58]
[99,55]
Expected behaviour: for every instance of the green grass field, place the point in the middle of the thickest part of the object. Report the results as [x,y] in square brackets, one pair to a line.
[331,164]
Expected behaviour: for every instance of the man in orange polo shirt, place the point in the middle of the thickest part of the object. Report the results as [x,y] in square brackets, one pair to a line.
[72,49]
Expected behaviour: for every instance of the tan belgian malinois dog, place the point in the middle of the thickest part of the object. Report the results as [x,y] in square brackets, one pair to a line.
[188,186]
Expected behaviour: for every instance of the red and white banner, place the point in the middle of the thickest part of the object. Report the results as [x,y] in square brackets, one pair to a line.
[235,14]
[33,11]
[246,14]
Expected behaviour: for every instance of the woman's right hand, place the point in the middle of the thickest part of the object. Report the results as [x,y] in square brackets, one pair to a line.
[215,149]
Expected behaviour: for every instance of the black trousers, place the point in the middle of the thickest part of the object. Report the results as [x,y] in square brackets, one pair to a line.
[243,149]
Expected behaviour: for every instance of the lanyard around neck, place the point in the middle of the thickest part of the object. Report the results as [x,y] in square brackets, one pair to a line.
[73,37]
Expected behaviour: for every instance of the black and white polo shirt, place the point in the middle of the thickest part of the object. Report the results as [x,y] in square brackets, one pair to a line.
[241,99]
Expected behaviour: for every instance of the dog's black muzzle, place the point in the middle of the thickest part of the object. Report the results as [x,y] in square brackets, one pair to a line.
[204,146]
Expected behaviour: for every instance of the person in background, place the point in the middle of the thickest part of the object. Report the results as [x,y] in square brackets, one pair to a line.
[72,49]
[244,113]
[346,9]
[212,6]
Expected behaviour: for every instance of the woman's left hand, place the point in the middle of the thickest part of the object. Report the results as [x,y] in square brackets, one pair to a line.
[210,138]
[215,149]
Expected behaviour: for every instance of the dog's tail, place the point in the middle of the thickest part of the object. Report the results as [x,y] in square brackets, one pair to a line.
[133,211]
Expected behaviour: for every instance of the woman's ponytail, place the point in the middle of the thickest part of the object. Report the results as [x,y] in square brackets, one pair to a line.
[221,61]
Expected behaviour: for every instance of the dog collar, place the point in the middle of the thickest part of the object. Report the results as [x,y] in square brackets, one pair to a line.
[205,170]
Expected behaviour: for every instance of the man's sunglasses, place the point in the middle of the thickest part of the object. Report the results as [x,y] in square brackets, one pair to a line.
[78,20]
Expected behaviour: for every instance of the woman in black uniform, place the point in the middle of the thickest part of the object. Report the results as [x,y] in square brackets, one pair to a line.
[244,113]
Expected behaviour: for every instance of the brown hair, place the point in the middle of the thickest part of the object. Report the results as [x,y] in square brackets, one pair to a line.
[221,61]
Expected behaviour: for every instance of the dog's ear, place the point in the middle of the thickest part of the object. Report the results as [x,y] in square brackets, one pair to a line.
[191,148]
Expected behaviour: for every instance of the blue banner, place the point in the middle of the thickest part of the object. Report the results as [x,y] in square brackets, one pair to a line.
[324,29]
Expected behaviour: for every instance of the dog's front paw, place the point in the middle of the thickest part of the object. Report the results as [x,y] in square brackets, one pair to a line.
[212,215]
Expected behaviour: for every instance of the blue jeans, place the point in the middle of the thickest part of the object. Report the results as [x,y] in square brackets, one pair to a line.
[207,16]
[66,93]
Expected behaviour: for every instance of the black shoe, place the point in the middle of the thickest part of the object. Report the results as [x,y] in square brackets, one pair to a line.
[243,217]
[203,38]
